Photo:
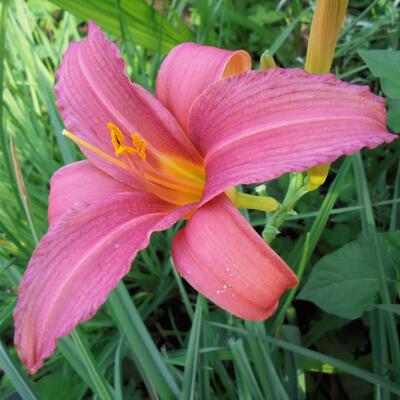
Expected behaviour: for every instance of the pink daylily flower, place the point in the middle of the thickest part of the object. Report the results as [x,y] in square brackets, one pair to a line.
[213,125]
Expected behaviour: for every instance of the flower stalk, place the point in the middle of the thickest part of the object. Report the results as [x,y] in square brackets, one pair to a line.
[298,187]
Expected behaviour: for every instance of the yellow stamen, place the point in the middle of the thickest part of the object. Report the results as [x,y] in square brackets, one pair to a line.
[117,138]
[140,145]
[251,202]
[327,20]
[173,179]
[95,150]
[118,141]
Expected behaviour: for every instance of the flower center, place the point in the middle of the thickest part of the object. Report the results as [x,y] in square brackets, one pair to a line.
[172,178]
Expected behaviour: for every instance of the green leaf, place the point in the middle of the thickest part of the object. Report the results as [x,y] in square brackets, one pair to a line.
[394,115]
[49,387]
[382,62]
[346,282]
[147,27]
[385,64]
[393,242]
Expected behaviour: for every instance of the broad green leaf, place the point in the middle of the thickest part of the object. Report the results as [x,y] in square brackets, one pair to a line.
[393,242]
[385,64]
[382,62]
[146,26]
[394,115]
[49,387]
[346,282]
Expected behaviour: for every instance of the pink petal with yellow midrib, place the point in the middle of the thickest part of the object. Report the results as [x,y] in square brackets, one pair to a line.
[77,263]
[93,89]
[222,257]
[255,127]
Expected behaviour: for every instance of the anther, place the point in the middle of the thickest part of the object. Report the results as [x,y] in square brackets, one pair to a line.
[118,141]
[140,145]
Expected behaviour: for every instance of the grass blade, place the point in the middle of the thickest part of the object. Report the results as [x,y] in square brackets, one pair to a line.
[395,217]
[118,388]
[19,381]
[323,358]
[192,353]
[369,229]
[148,360]
[100,385]
[147,26]
[243,367]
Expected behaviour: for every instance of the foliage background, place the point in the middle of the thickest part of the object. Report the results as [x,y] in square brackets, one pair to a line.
[155,337]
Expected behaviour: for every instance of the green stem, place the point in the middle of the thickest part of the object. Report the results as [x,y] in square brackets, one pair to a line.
[312,239]
[296,190]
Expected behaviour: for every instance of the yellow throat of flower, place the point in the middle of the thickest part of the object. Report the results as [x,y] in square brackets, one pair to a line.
[171,178]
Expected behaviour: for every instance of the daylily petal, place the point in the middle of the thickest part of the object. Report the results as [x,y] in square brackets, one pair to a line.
[94,90]
[189,69]
[254,127]
[77,263]
[222,257]
[80,182]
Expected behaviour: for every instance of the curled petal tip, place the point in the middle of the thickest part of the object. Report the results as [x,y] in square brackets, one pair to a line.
[189,69]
